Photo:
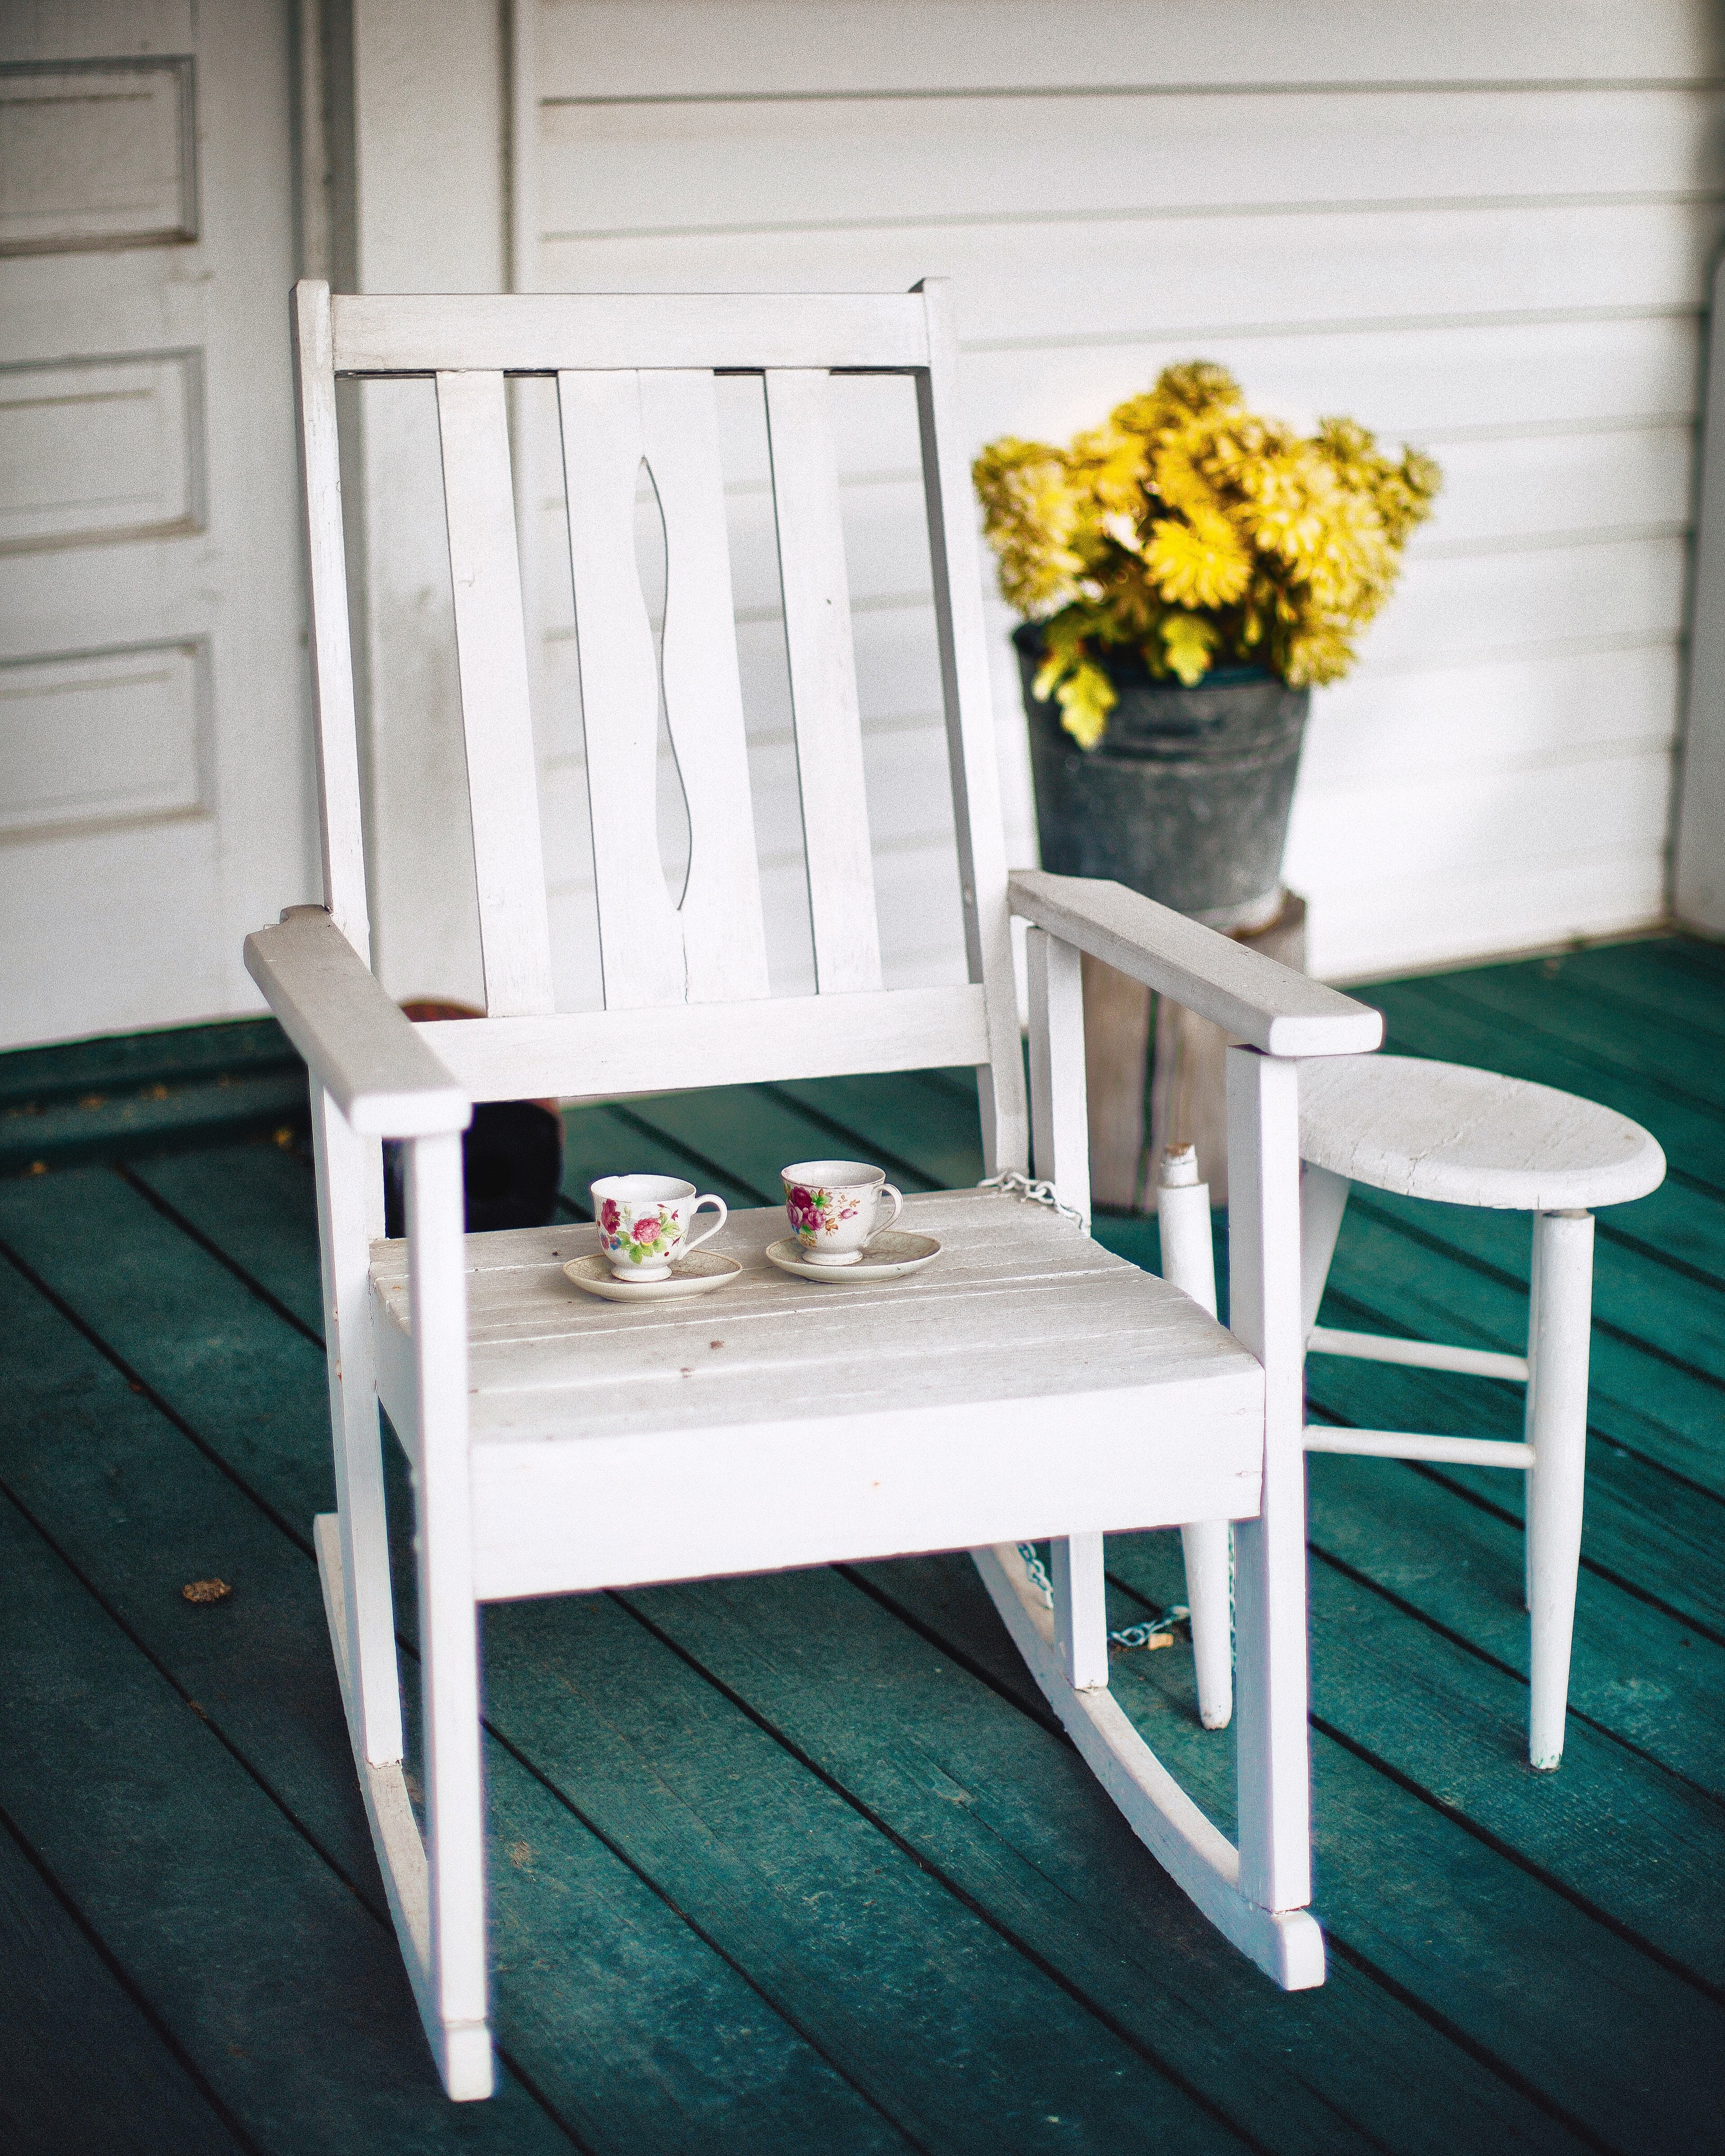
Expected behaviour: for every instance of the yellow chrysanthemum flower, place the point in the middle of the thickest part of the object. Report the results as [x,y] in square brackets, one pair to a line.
[1199,564]
[1191,531]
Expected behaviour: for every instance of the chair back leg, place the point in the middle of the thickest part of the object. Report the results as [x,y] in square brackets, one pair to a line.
[1559,1323]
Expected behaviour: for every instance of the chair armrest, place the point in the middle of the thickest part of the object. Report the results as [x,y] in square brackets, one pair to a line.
[1247,995]
[361,1049]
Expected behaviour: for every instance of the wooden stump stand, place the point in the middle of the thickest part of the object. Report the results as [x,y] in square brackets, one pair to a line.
[1186,1101]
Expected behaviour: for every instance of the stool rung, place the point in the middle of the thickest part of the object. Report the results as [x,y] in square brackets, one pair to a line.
[1407,1445]
[1422,1354]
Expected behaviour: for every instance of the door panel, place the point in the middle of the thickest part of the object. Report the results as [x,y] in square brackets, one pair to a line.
[155,789]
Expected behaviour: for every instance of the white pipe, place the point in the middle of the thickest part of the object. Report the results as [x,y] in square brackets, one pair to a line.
[1421,1354]
[1182,1212]
[1188,1262]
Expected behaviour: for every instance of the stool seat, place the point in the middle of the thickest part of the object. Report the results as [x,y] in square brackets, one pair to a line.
[1469,1137]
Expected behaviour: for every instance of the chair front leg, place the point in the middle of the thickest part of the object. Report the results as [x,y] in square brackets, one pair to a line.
[347,1166]
[449,1619]
[1559,1324]
[1270,1552]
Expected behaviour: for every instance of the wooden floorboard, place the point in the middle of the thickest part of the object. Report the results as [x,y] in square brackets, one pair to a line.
[799,1863]
[87,2067]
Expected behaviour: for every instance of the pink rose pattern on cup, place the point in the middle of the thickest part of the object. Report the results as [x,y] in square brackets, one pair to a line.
[641,1240]
[814,1213]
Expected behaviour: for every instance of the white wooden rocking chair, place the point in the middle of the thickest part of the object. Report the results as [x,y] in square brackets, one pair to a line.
[1031,1385]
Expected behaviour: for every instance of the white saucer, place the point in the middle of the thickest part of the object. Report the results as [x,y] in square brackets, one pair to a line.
[892,1253]
[694,1274]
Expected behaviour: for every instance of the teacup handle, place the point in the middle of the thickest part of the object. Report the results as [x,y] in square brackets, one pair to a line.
[886,1190]
[694,1242]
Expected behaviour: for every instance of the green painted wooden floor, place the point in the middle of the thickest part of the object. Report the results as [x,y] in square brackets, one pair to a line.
[799,1863]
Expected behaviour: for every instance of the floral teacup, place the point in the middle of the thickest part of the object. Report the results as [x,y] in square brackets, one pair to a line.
[644,1222]
[834,1206]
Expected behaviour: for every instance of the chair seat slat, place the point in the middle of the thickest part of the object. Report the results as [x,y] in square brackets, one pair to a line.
[823,698]
[491,638]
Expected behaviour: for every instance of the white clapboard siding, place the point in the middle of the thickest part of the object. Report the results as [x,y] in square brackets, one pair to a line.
[1485,233]
[1533,811]
[686,47]
[964,155]
[1438,379]
[1391,728]
[1132,274]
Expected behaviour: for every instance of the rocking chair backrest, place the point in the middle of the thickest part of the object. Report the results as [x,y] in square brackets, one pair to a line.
[686,985]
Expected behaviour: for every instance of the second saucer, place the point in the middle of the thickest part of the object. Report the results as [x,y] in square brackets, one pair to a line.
[890,1254]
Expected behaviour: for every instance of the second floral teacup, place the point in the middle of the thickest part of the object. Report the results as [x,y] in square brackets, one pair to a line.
[835,1206]
[644,1222]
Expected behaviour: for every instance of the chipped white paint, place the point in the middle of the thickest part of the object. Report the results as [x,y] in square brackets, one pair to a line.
[1470,1137]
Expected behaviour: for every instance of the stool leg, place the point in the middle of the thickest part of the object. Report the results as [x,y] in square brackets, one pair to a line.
[1559,1321]
[1323,1199]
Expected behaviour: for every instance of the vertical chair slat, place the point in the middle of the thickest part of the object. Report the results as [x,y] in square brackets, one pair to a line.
[344,858]
[968,700]
[724,932]
[715,949]
[823,698]
[640,938]
[492,643]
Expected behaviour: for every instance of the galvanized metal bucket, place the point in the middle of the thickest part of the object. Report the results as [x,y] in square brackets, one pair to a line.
[1187,798]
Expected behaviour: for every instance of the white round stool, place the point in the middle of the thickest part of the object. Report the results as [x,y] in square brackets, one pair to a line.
[1465,1137]
[1469,1137]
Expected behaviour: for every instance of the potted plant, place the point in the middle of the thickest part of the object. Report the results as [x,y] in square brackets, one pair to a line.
[1186,572]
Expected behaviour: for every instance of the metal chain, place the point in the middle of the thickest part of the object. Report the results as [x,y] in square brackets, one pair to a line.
[1153,1632]
[1012,1184]
[1036,1572]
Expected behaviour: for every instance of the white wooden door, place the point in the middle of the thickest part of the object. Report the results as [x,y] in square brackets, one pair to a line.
[155,779]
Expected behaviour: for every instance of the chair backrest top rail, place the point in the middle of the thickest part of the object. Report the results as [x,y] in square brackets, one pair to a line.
[668,1047]
[544,333]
